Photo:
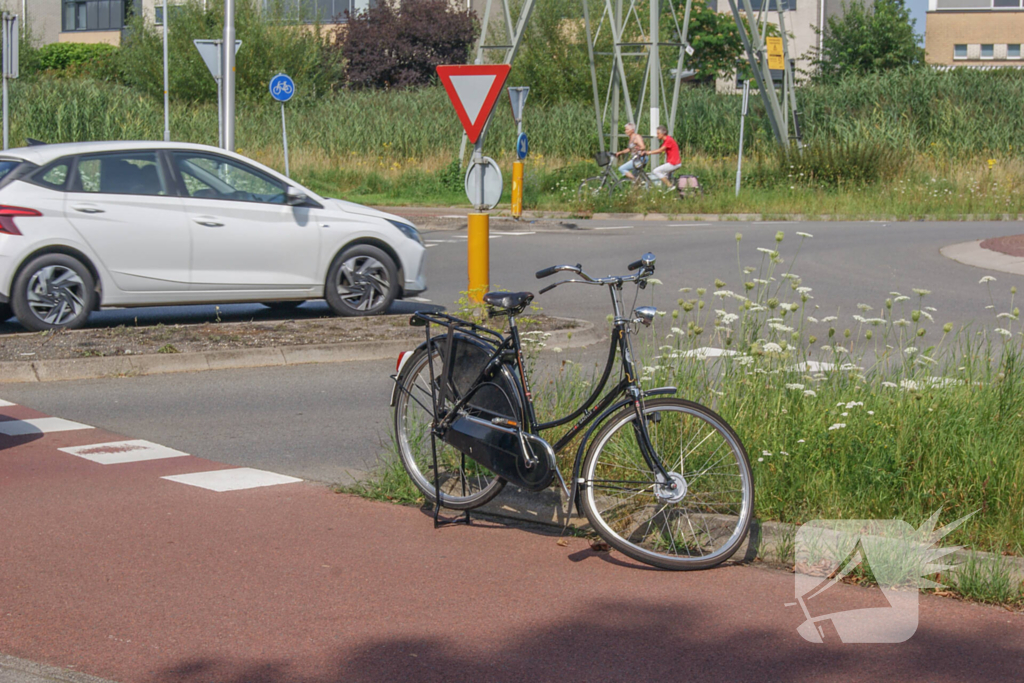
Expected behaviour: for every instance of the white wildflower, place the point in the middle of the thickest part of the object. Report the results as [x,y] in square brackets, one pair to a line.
[901,299]
[837,425]
[804,234]
[854,404]
[766,453]
[795,387]
[804,290]
[860,318]
[654,281]
[922,292]
[765,251]
[891,385]
[987,278]
[811,393]
[902,322]
[1011,316]
[871,412]
[843,414]
[829,319]
[1006,333]
[864,307]
[910,350]
[780,328]
[927,315]
[811,319]
[772,347]
[800,441]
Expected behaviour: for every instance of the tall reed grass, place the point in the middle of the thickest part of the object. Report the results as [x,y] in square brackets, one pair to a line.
[958,114]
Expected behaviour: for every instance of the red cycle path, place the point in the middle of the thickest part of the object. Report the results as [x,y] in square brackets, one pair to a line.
[121,574]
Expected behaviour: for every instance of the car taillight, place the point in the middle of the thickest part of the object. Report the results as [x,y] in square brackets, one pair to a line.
[7,216]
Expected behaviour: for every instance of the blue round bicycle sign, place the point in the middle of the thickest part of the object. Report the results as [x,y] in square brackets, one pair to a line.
[522,146]
[282,87]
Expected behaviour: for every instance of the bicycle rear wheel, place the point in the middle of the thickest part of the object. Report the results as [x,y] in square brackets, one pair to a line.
[464,483]
[699,524]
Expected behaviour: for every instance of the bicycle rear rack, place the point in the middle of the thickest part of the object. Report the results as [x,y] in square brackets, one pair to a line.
[451,324]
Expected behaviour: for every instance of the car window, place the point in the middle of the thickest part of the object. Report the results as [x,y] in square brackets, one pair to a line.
[8,165]
[207,176]
[127,173]
[53,176]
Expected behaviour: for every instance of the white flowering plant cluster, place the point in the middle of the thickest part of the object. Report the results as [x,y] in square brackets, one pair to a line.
[885,410]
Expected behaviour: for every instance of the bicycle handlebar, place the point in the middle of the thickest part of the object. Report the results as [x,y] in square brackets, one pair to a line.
[645,266]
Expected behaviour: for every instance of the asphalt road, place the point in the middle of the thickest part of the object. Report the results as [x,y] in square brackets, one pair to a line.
[844,263]
[319,422]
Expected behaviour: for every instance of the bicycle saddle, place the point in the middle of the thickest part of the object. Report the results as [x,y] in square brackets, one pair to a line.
[509,301]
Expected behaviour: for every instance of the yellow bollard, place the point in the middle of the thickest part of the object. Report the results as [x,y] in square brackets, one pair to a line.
[517,189]
[479,255]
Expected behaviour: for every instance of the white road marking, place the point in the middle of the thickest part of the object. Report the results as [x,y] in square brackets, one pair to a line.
[6,403]
[513,234]
[686,225]
[39,425]
[119,452]
[428,246]
[418,299]
[235,479]
[617,227]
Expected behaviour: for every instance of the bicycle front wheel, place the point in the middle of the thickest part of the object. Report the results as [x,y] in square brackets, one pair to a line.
[464,483]
[696,525]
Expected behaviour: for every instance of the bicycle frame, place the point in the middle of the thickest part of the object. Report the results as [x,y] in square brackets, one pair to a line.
[591,412]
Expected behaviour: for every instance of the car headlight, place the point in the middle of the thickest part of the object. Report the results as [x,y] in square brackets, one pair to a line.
[407,230]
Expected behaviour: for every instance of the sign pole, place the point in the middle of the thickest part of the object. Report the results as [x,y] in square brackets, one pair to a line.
[743,117]
[478,242]
[284,136]
[220,113]
[227,63]
[9,66]
[167,110]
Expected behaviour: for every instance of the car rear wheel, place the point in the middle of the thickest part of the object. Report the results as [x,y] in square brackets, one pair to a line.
[363,280]
[54,291]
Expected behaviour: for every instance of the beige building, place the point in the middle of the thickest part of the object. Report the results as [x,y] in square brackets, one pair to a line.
[974,32]
[805,22]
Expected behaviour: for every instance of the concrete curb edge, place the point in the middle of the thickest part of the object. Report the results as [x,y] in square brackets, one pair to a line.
[156,364]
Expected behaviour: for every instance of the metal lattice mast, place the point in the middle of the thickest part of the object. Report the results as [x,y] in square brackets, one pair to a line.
[628,38]
[509,39]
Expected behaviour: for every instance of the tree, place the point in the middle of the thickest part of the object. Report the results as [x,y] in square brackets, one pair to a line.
[868,40]
[392,46]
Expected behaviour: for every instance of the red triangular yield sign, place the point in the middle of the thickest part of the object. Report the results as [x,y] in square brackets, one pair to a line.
[473,90]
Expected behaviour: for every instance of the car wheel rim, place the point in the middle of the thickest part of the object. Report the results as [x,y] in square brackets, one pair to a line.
[56,294]
[363,283]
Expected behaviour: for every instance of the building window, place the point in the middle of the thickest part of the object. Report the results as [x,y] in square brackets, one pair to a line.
[1006,3]
[94,15]
[1013,51]
[959,52]
[988,51]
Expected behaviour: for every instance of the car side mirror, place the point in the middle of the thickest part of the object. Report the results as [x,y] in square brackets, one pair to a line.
[295,197]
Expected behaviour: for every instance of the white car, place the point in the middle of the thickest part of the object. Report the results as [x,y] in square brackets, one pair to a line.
[98,224]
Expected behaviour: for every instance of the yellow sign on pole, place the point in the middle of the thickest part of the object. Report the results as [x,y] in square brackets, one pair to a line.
[517,189]
[776,60]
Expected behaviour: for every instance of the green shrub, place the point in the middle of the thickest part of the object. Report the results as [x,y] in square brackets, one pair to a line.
[271,43]
[59,56]
[835,164]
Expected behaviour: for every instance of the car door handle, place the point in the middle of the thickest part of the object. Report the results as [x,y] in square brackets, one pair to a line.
[208,221]
[87,208]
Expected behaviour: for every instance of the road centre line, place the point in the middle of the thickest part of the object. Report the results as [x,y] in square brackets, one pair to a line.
[39,425]
[616,227]
[120,452]
[235,479]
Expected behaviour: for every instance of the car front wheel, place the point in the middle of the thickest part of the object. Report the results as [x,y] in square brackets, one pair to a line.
[54,291]
[363,280]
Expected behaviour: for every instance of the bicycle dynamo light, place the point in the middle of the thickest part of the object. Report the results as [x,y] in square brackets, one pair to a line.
[645,315]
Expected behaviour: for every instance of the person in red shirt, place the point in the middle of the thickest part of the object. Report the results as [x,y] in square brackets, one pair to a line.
[672,158]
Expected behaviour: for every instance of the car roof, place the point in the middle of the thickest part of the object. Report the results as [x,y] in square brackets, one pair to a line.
[43,154]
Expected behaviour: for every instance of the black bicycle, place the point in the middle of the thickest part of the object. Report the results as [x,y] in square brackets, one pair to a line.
[664,480]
